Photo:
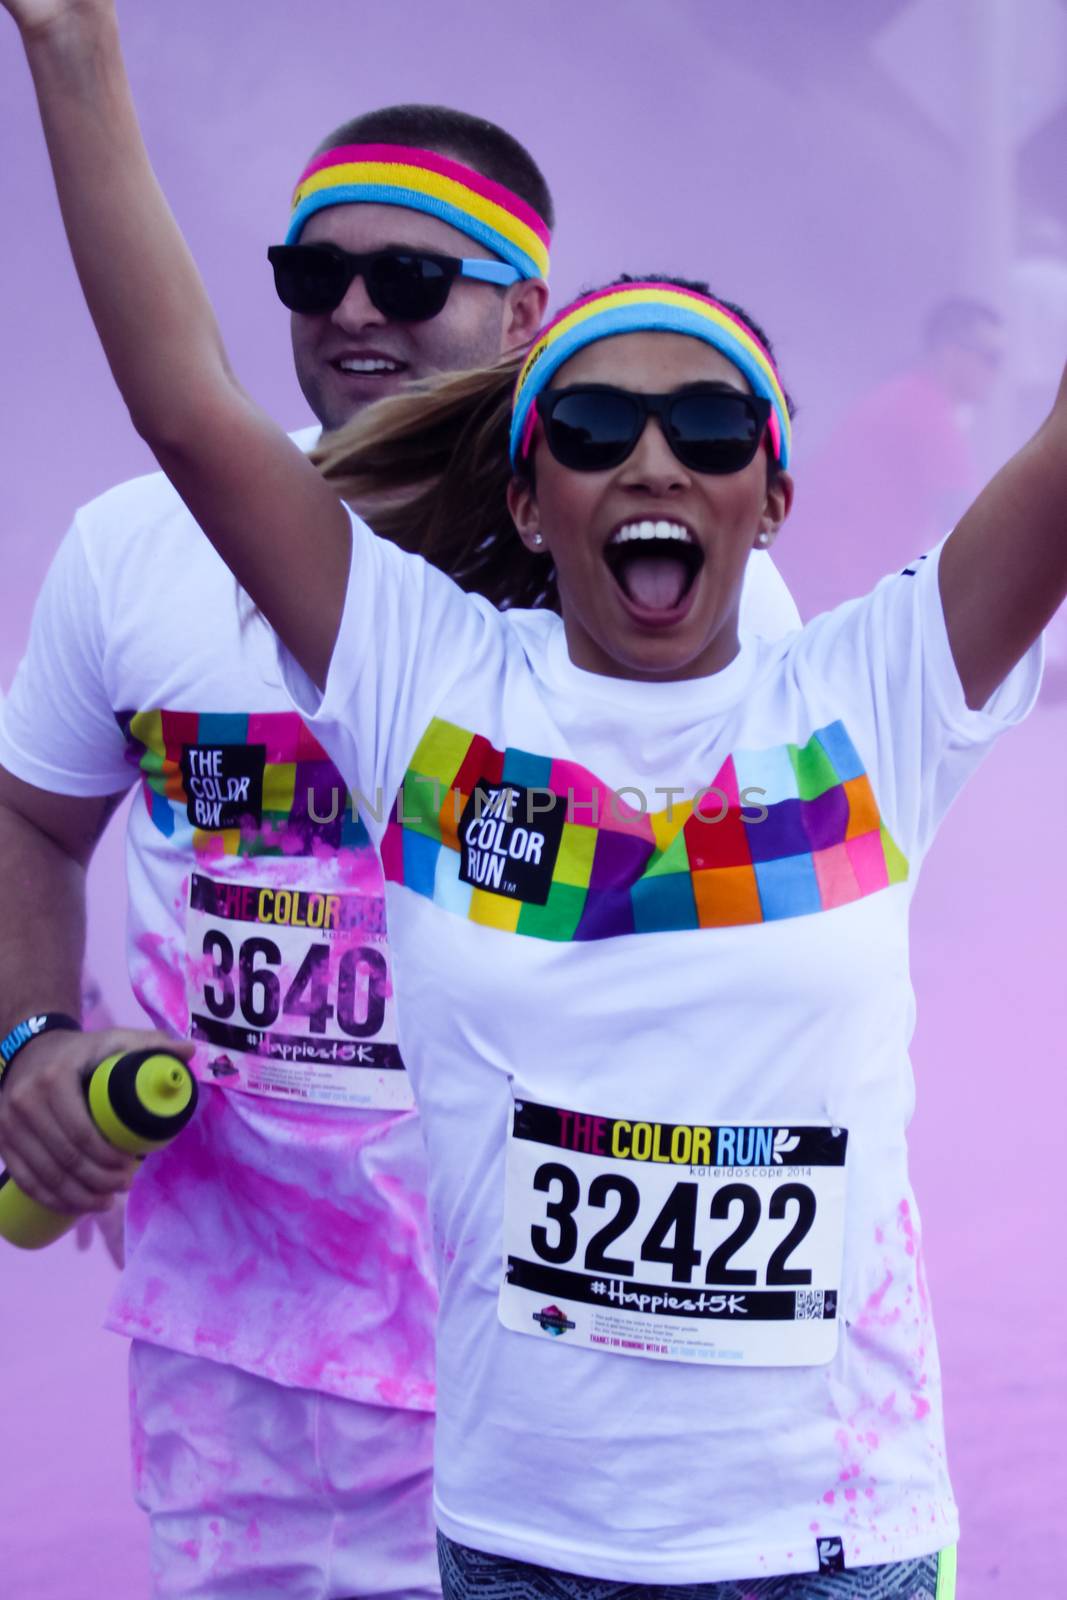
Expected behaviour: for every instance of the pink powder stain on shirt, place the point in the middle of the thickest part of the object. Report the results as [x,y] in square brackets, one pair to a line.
[186,1164]
[330,1240]
[210,846]
[404,1202]
[138,1447]
[160,983]
[289,841]
[394,1392]
[155,1289]
[346,1235]
[200,969]
[859,1443]
[907,1226]
[361,870]
[234,1279]
[216,1335]
[913,1246]
[872,1314]
[856,1444]
[879,1312]
[136,1323]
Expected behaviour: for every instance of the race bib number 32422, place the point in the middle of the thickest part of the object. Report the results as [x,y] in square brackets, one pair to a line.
[290,994]
[672,1241]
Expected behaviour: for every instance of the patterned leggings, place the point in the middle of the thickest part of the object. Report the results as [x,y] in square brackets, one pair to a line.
[473,1575]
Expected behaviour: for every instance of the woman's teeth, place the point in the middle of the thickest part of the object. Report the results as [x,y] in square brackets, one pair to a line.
[654,561]
[651,530]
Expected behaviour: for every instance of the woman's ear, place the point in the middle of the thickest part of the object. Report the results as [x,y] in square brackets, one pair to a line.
[526,514]
[776,507]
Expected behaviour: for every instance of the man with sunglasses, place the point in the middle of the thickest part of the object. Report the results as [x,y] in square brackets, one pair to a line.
[400,261]
[278,1287]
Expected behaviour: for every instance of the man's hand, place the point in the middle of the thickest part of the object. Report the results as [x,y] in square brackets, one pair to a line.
[48,1141]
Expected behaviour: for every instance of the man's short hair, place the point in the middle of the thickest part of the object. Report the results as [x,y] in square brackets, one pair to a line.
[475,141]
[956,320]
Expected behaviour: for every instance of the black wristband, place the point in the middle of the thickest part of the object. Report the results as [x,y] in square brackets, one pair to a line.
[32,1028]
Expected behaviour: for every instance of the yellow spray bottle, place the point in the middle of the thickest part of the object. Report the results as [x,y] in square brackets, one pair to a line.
[138,1101]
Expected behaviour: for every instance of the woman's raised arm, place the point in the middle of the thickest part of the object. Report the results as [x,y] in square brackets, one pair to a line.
[1004,568]
[270,515]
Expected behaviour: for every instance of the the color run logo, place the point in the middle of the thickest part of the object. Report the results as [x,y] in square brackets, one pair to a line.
[676,1144]
[504,850]
[223,784]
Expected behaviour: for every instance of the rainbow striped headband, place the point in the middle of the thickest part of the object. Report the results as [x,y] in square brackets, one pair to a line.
[422,180]
[640,308]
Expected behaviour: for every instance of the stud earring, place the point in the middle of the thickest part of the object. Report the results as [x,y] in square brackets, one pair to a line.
[763,538]
[538,539]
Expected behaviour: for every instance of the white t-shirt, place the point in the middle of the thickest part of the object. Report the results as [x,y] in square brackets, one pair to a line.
[285,1232]
[661,1062]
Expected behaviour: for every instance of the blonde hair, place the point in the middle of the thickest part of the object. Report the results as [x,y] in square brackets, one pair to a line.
[429,470]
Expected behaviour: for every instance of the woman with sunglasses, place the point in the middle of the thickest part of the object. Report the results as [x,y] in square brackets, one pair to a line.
[648,893]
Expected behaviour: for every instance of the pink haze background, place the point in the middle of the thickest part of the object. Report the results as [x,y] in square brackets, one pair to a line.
[836,168]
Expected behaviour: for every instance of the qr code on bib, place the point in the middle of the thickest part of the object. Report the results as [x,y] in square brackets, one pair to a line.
[810,1304]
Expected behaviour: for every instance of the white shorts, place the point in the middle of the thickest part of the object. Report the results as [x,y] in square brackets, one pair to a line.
[261,1491]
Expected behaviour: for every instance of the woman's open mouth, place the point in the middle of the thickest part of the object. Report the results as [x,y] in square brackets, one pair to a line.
[654,564]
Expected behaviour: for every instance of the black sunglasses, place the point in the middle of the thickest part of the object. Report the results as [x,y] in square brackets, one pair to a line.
[593,427]
[404,285]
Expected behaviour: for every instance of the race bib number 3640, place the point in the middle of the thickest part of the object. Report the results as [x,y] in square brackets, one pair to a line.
[289,993]
[672,1241]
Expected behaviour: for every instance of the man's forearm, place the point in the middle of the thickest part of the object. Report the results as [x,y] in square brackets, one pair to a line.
[48,1141]
[42,935]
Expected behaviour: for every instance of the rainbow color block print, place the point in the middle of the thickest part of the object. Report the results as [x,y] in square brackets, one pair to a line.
[611,869]
[240,784]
